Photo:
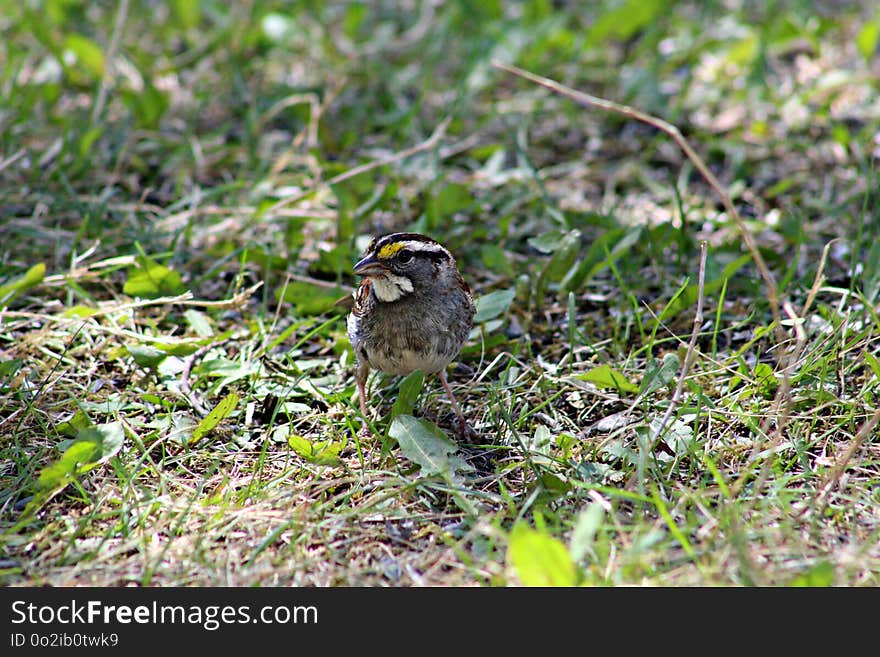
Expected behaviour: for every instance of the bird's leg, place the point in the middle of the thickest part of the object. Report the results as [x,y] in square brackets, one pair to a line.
[361,378]
[463,428]
[362,394]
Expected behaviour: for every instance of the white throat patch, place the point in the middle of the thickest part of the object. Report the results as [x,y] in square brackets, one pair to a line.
[390,287]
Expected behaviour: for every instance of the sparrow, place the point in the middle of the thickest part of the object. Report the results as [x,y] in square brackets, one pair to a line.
[412,310]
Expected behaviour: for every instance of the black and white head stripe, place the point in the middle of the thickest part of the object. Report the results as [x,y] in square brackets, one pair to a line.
[385,248]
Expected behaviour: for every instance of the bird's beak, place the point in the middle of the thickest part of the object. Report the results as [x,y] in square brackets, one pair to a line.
[369,266]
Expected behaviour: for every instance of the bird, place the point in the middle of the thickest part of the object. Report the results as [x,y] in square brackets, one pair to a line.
[411,310]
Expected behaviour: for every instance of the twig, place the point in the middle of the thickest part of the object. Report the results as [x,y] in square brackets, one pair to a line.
[783,394]
[692,344]
[819,278]
[585,99]
[310,134]
[426,145]
[12,158]
[236,301]
[174,221]
[317,282]
[90,270]
[186,390]
[184,299]
[94,327]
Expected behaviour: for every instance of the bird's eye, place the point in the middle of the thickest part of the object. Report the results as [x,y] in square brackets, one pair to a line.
[404,256]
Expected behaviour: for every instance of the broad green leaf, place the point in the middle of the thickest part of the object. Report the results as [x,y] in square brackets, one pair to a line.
[80,311]
[320,452]
[334,260]
[496,259]
[841,134]
[181,349]
[114,403]
[150,280]
[677,435]
[597,473]
[820,575]
[31,278]
[540,444]
[446,201]
[867,39]
[76,459]
[10,367]
[151,355]
[487,343]
[187,13]
[659,374]
[622,21]
[146,355]
[309,299]
[198,322]
[220,411]
[606,377]
[93,445]
[77,422]
[539,559]
[766,380]
[408,394]
[87,53]
[548,242]
[586,525]
[490,306]
[744,51]
[109,436]
[353,18]
[425,445]
[225,371]
[180,427]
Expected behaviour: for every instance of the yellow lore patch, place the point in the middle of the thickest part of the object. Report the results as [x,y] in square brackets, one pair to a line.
[390,249]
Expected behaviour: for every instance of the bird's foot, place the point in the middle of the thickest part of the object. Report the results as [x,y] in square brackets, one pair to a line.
[464,430]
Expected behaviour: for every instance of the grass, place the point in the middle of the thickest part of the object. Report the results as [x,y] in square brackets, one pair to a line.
[185,187]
